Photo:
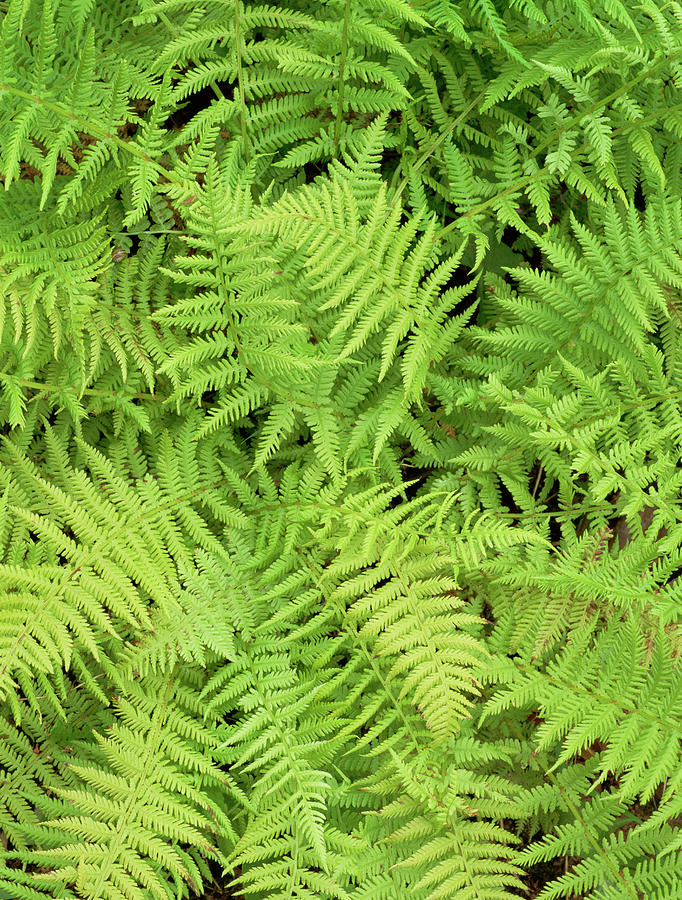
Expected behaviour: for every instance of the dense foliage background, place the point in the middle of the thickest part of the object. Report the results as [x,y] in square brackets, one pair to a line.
[340,398]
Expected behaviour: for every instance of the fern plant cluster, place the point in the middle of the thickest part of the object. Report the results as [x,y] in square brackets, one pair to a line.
[340,472]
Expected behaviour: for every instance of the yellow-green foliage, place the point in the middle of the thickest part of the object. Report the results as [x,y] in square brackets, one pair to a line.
[341,440]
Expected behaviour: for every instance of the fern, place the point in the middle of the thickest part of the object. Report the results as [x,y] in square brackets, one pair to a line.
[340,531]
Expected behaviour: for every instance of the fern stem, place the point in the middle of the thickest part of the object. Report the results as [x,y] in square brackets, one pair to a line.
[596,846]
[176,32]
[623,90]
[342,74]
[137,795]
[353,630]
[223,283]
[59,585]
[47,388]
[92,127]
[240,81]
[666,725]
[294,867]
[96,131]
[461,118]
